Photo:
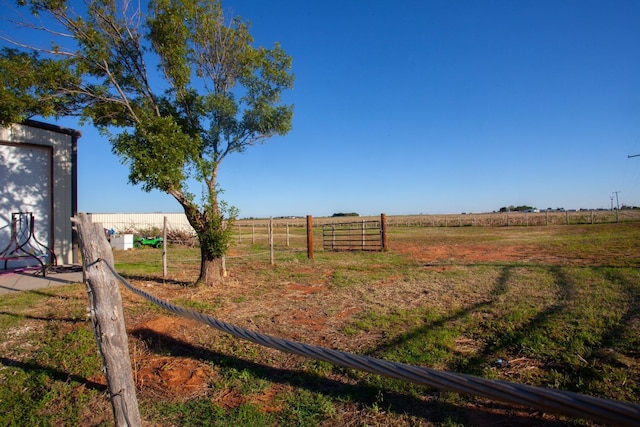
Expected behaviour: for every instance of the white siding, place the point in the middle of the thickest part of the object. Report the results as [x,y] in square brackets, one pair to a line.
[124,222]
[26,145]
[26,187]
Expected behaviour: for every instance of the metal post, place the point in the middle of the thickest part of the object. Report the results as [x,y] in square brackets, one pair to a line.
[271,260]
[164,248]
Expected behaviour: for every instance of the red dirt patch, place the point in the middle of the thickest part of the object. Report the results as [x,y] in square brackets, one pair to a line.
[470,253]
[169,376]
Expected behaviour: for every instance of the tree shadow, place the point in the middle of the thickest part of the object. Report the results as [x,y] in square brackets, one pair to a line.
[365,395]
[508,340]
[503,340]
[158,280]
[616,335]
[499,289]
[41,293]
[52,373]
[45,319]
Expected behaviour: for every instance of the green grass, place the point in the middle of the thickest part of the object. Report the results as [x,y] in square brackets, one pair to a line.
[200,412]
[44,376]
[569,320]
[576,325]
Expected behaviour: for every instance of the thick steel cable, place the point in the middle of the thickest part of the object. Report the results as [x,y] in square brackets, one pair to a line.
[555,401]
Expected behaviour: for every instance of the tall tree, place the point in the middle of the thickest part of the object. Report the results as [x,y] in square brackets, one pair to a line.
[208,93]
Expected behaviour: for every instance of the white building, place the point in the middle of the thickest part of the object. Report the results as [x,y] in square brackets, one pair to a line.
[38,175]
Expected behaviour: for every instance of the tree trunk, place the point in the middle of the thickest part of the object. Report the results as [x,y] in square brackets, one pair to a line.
[213,236]
[210,270]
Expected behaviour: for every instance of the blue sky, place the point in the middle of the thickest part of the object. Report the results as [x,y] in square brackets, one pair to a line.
[445,106]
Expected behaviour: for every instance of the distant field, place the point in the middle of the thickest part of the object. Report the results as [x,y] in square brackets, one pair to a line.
[554,306]
[471,219]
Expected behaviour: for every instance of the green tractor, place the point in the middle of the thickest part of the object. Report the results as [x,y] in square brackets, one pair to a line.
[154,242]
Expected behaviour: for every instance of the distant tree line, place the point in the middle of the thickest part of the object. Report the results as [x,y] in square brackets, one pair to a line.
[345,214]
[512,208]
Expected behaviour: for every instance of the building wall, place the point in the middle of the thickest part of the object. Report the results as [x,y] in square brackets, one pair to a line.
[125,222]
[39,175]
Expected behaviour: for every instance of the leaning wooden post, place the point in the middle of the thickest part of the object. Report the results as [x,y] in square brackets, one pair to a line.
[108,321]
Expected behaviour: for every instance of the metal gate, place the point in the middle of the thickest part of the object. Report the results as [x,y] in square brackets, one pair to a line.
[353,236]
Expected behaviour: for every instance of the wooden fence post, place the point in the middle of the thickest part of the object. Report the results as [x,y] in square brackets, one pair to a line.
[383,226]
[309,237]
[287,231]
[108,321]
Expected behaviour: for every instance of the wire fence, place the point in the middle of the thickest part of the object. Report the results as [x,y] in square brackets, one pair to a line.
[556,401]
[272,240]
[244,228]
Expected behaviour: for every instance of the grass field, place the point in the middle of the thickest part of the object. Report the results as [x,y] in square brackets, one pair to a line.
[550,306]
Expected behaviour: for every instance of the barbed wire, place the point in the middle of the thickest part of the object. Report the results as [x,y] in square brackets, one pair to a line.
[549,400]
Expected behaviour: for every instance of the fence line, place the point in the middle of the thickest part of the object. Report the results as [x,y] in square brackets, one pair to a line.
[557,401]
[122,222]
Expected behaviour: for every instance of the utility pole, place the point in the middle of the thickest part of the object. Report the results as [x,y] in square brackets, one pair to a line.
[611,197]
[617,204]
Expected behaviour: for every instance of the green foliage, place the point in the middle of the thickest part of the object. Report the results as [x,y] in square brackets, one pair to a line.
[29,86]
[157,153]
[215,94]
[215,236]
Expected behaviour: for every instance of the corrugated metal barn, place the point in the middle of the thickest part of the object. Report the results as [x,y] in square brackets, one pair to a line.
[126,222]
[38,178]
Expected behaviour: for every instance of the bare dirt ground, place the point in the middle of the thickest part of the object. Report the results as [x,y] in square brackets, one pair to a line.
[303,308]
[177,359]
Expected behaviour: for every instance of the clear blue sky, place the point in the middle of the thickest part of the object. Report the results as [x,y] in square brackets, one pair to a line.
[443,106]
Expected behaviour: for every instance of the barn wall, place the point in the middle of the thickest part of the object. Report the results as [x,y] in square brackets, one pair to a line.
[122,222]
[45,184]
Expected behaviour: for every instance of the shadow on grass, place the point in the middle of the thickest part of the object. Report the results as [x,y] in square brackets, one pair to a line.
[616,336]
[49,293]
[158,280]
[510,339]
[54,374]
[46,319]
[491,413]
[472,366]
